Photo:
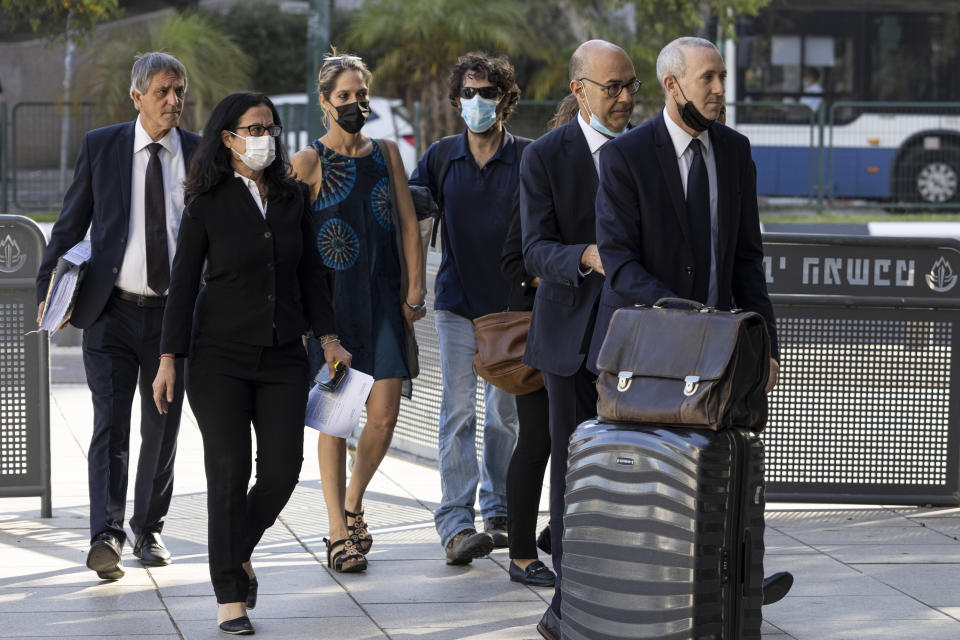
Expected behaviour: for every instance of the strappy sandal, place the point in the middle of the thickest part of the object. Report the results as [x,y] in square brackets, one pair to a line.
[360,530]
[348,559]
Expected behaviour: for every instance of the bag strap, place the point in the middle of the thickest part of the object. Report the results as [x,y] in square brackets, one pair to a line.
[439,167]
[404,276]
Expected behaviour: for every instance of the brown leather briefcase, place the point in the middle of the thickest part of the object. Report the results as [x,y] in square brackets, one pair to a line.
[691,366]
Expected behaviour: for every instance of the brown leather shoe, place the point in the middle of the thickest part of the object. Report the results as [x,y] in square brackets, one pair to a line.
[467,545]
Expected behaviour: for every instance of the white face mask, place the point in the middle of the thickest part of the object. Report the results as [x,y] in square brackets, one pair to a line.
[261,151]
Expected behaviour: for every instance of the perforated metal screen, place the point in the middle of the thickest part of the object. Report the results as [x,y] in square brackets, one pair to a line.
[13,392]
[864,401]
[24,367]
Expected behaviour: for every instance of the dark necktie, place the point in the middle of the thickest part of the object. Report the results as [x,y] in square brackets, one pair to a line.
[698,213]
[155,217]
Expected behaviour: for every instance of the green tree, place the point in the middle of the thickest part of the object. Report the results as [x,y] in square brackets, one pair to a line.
[642,27]
[216,66]
[277,38]
[60,19]
[416,42]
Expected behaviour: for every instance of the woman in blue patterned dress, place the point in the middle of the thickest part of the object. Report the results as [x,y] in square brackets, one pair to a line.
[355,229]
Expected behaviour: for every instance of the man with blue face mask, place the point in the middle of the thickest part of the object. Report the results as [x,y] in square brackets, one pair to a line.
[558,186]
[474,176]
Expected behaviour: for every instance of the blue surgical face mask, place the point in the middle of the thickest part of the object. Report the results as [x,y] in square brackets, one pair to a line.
[479,113]
[595,121]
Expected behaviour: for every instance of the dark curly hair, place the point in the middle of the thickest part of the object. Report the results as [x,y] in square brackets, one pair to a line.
[210,164]
[497,70]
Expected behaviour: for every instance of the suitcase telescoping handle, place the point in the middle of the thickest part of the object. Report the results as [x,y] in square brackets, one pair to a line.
[682,303]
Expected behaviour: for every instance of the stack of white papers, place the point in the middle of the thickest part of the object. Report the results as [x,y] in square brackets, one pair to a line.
[337,413]
[64,284]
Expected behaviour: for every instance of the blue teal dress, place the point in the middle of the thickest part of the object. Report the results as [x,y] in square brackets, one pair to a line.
[353,223]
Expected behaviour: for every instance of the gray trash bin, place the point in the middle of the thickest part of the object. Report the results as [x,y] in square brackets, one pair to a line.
[24,367]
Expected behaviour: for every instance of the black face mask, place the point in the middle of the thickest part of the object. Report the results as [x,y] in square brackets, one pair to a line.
[691,116]
[351,117]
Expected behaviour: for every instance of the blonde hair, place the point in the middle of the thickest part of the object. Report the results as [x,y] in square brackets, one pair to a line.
[335,63]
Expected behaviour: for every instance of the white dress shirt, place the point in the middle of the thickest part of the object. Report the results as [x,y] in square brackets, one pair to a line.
[595,140]
[133,271]
[255,192]
[681,145]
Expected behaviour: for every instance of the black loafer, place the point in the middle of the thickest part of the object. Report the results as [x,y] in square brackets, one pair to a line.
[535,575]
[149,549]
[776,586]
[104,556]
[543,541]
[252,594]
[467,545]
[237,627]
[549,625]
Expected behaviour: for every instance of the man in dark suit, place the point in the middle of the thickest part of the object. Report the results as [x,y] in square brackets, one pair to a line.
[677,204]
[127,190]
[558,178]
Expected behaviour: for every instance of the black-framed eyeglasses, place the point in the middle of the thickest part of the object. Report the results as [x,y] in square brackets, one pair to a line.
[614,88]
[488,93]
[257,129]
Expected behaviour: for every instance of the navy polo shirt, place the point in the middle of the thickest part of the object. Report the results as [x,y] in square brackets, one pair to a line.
[478,204]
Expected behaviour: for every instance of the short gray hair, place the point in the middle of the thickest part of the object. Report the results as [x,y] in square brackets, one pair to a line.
[150,64]
[672,61]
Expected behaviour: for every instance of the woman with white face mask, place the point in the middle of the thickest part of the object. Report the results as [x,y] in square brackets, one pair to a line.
[263,287]
[355,231]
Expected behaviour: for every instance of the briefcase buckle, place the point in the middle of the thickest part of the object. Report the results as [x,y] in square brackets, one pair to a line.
[690,388]
[625,378]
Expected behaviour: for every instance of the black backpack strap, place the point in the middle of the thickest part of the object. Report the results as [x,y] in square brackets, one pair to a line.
[439,167]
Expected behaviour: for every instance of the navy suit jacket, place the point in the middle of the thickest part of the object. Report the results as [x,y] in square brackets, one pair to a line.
[558,185]
[98,199]
[643,234]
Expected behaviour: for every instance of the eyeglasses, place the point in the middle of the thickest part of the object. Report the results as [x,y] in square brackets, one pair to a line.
[614,88]
[488,93]
[257,129]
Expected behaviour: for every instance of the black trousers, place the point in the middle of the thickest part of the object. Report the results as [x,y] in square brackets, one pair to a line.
[573,399]
[231,386]
[121,350]
[525,473]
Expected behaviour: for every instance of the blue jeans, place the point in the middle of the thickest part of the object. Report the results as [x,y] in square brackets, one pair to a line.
[459,472]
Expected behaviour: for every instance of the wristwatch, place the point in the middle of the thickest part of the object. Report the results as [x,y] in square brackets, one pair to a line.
[416,308]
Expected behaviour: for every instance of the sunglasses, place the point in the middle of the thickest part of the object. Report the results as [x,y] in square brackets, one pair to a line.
[488,93]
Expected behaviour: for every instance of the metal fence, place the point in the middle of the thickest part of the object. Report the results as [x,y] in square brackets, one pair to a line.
[38,132]
[24,367]
[865,409]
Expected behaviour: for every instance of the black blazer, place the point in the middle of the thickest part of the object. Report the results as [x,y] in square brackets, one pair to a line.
[98,199]
[261,274]
[643,232]
[558,182]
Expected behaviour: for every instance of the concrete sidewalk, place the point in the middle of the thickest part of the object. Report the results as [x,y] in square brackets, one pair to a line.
[867,572]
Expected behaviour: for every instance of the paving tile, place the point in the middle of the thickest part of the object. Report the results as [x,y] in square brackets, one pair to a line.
[78,575]
[347,628]
[886,554]
[874,535]
[845,608]
[423,615]
[818,575]
[937,585]
[492,630]
[882,629]
[434,581]
[106,597]
[827,518]
[276,573]
[102,624]
[332,603]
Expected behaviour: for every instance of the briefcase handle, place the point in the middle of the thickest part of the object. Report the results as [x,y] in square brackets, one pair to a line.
[682,303]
